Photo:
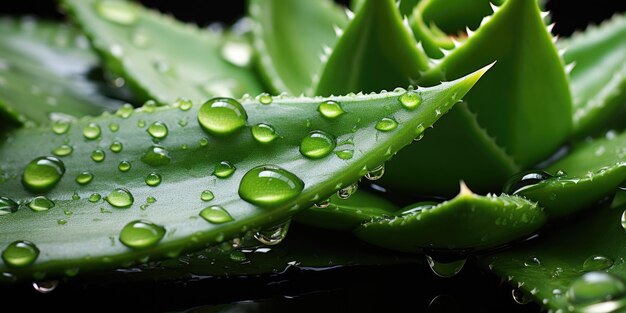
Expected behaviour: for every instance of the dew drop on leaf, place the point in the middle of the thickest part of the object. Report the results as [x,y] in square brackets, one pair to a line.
[445,269]
[45,286]
[124,166]
[348,191]
[183,104]
[207,195]
[156,156]
[20,253]
[519,297]
[116,147]
[330,109]
[224,169]
[84,178]
[597,263]
[120,198]
[524,180]
[273,235]
[98,155]
[60,127]
[153,179]
[7,206]
[94,197]
[269,185]
[216,214]
[532,262]
[376,173]
[222,116]
[63,150]
[595,290]
[265,98]
[119,12]
[141,234]
[158,130]
[92,131]
[264,133]
[386,124]
[43,173]
[410,99]
[125,111]
[317,144]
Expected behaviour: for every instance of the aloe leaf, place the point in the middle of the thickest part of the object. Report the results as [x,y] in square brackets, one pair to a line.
[376,51]
[431,38]
[598,76]
[44,73]
[169,170]
[291,38]
[453,16]
[160,58]
[559,269]
[405,6]
[588,174]
[346,214]
[468,221]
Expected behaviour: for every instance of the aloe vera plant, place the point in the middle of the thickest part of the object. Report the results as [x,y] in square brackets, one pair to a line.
[452,132]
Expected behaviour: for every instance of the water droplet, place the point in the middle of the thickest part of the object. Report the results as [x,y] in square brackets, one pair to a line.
[20,253]
[119,12]
[116,146]
[623,220]
[162,67]
[92,131]
[410,99]
[114,127]
[445,269]
[156,156]
[75,196]
[183,104]
[419,132]
[222,116]
[269,185]
[216,214]
[323,204]
[597,263]
[60,127]
[317,144]
[204,142]
[125,111]
[519,297]
[7,206]
[141,234]
[98,155]
[120,198]
[273,235]
[84,178]
[158,130]
[237,256]
[346,154]
[224,169]
[94,197]
[330,109]
[151,199]
[524,180]
[141,123]
[532,262]
[386,124]
[597,292]
[207,195]
[346,192]
[153,179]
[40,203]
[264,133]
[45,286]
[265,98]
[417,207]
[43,173]
[377,173]
[140,39]
[63,150]
[124,166]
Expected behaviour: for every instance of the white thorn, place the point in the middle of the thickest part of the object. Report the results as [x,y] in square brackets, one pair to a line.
[338,31]
[550,27]
[545,14]
[569,68]
[445,52]
[469,32]
[398,3]
[555,38]
[327,50]
[349,14]
[405,21]
[464,190]
[485,20]
[494,7]
[455,42]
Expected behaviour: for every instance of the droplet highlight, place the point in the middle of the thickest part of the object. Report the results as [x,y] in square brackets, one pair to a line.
[43,173]
[216,214]
[224,169]
[269,185]
[20,253]
[264,133]
[222,116]
[120,198]
[330,109]
[317,144]
[158,130]
[141,234]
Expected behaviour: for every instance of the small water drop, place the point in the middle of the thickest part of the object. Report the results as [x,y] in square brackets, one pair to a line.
[156,156]
[264,133]
[7,206]
[417,207]
[345,154]
[84,178]
[94,197]
[124,166]
[75,196]
[141,123]
[98,155]
[419,132]
[222,116]
[323,204]
[330,109]
[92,131]
[120,198]
[273,235]
[265,98]
[410,99]
[597,292]
[224,169]
[317,144]
[348,191]
[119,12]
[141,234]
[125,111]
[269,185]
[386,124]
[377,173]
[114,127]
[524,180]
[20,253]
[519,297]
[63,150]
[60,127]
[623,220]
[45,286]
[153,179]
[445,269]
[183,104]
[116,147]
[207,195]
[151,199]
[158,130]
[204,142]
[237,256]
[216,214]
[43,173]
[532,262]
[597,263]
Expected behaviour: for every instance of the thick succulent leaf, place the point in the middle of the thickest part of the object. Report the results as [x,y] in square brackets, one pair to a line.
[591,172]
[405,6]
[468,221]
[598,78]
[453,16]
[432,39]
[376,51]
[160,58]
[347,214]
[291,37]
[85,235]
[44,73]
[545,269]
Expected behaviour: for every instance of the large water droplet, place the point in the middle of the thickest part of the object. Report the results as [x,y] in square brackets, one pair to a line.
[120,198]
[63,150]
[43,173]
[207,195]
[92,131]
[330,109]
[524,180]
[120,12]
[20,253]
[40,204]
[273,235]
[269,185]
[116,147]
[7,206]
[124,166]
[377,173]
[519,297]
[216,214]
[222,116]
[158,130]
[597,263]
[98,155]
[597,292]
[141,234]
[445,269]
[45,286]
[317,144]
[410,99]
[153,179]
[348,191]
[156,156]
[264,133]
[386,124]
[84,178]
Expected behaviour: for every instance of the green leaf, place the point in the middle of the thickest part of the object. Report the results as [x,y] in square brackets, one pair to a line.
[432,39]
[405,6]
[546,269]
[468,221]
[44,73]
[598,76]
[161,58]
[291,38]
[376,51]
[453,16]
[591,172]
[81,234]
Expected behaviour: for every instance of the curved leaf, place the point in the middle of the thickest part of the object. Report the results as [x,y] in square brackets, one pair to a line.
[44,73]
[160,58]
[453,16]
[290,38]
[77,233]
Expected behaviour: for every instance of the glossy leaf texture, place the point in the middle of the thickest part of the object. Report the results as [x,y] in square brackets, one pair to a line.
[577,266]
[161,58]
[46,73]
[376,51]
[513,119]
[591,172]
[187,185]
[292,38]
[598,76]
